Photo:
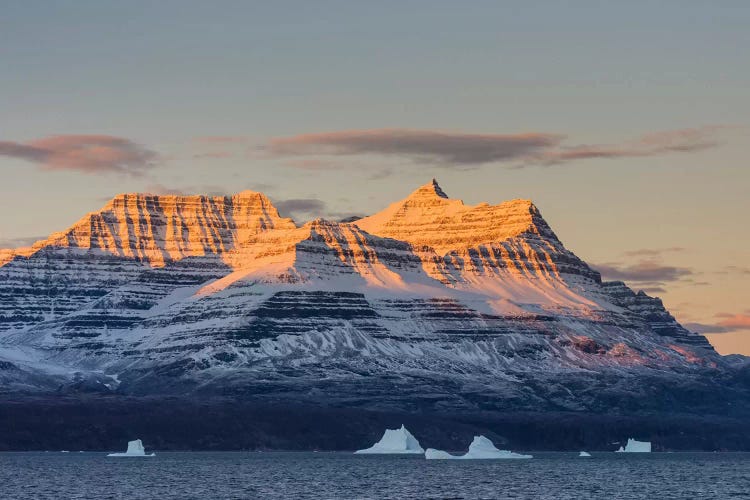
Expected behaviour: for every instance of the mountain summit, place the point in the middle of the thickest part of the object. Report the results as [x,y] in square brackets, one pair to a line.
[429,304]
[430,189]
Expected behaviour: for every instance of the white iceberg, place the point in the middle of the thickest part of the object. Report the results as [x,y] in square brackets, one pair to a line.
[394,441]
[584,454]
[480,448]
[433,454]
[634,446]
[135,449]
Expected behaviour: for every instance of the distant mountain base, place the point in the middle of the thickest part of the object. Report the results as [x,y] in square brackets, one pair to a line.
[452,319]
[104,423]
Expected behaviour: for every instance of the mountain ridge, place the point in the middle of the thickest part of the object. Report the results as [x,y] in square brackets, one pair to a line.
[437,304]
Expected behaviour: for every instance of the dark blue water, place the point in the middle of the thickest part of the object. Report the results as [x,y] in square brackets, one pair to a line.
[343,475]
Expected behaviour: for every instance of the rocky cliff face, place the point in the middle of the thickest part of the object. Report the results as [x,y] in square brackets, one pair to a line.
[427,304]
[130,235]
[161,229]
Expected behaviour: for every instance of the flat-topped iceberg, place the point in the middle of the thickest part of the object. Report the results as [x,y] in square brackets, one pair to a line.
[480,448]
[634,446]
[394,441]
[584,454]
[135,449]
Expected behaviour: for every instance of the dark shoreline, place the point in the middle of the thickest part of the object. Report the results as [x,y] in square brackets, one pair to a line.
[105,423]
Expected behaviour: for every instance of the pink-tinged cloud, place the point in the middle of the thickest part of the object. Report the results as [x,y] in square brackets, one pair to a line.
[91,154]
[736,322]
[653,144]
[421,145]
[730,323]
[457,148]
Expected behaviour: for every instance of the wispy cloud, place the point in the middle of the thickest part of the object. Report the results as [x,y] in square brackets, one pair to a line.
[729,270]
[727,323]
[704,328]
[653,144]
[421,145]
[303,209]
[645,271]
[652,252]
[446,148]
[300,208]
[644,268]
[92,154]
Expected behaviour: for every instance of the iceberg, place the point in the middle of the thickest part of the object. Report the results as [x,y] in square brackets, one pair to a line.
[634,446]
[433,454]
[584,454]
[135,449]
[394,441]
[480,448]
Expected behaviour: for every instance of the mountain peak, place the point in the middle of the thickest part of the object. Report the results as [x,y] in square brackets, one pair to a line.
[427,217]
[430,190]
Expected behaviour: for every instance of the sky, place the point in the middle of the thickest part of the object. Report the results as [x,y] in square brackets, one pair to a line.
[627,123]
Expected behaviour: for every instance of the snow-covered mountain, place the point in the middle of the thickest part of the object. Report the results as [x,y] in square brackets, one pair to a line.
[428,304]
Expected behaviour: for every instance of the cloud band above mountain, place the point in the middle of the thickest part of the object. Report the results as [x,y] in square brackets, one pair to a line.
[422,145]
[457,148]
[90,154]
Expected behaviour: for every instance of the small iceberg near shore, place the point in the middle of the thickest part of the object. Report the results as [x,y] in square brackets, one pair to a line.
[135,449]
[634,446]
[480,448]
[394,441]
[584,454]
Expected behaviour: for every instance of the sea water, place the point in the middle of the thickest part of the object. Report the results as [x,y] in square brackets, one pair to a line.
[345,475]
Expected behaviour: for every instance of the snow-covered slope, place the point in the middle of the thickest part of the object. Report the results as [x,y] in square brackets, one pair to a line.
[427,303]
